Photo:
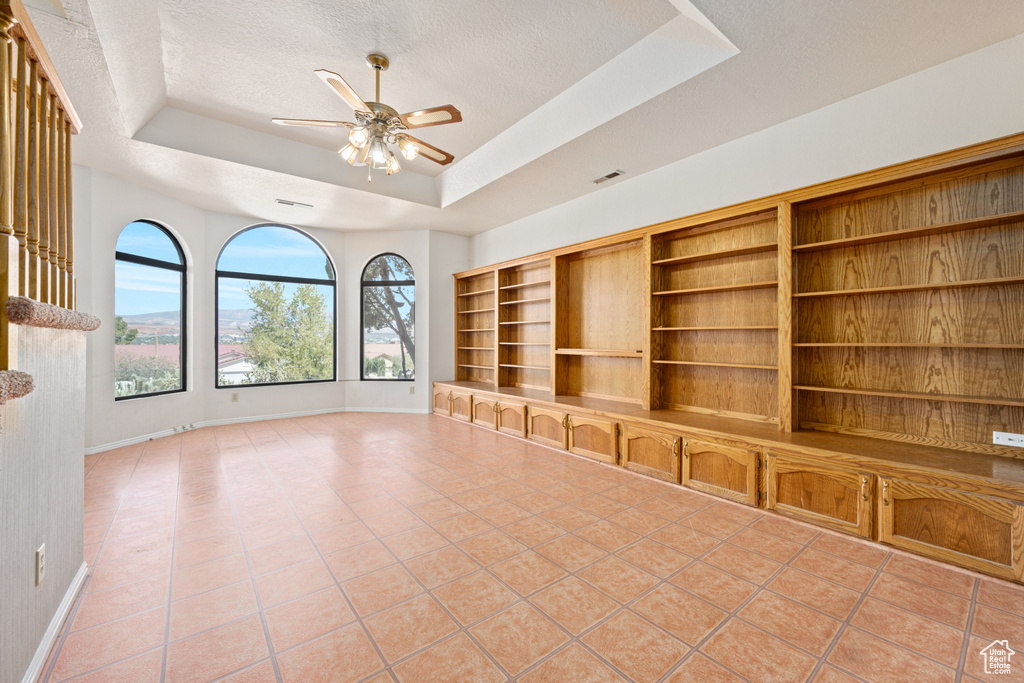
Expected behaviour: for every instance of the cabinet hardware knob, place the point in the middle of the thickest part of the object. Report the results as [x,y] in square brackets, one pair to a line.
[686,445]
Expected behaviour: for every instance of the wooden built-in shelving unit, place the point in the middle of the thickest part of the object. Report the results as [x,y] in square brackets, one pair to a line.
[841,354]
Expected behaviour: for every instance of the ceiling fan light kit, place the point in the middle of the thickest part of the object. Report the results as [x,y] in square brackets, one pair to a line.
[378,126]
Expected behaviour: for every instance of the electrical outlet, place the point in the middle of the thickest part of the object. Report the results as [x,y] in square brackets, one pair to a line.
[412,390]
[1008,439]
[40,564]
[234,397]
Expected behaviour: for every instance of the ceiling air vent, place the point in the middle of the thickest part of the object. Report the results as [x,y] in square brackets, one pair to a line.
[289,202]
[613,174]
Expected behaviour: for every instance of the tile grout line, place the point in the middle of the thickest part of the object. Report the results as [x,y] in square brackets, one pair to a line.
[967,631]
[170,571]
[245,554]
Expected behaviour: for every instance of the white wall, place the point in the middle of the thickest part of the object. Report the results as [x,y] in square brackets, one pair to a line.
[103,205]
[974,98]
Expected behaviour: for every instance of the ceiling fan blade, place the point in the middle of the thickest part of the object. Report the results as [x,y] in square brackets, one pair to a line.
[313,122]
[343,89]
[431,117]
[436,155]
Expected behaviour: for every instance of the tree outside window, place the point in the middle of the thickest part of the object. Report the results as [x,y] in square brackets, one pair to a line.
[388,319]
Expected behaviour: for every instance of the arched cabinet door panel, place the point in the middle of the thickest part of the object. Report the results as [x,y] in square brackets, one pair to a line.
[727,471]
[462,406]
[971,530]
[442,401]
[834,497]
[594,437]
[512,418]
[485,412]
[652,452]
[546,426]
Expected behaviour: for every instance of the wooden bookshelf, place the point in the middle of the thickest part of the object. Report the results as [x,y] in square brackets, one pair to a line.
[714,337]
[525,312]
[909,305]
[475,334]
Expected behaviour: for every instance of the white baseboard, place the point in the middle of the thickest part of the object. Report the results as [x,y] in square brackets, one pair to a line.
[35,667]
[90,450]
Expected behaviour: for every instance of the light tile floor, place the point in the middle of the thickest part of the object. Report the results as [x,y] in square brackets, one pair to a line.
[358,547]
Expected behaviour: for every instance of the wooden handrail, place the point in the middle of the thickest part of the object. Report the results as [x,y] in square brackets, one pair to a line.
[36,125]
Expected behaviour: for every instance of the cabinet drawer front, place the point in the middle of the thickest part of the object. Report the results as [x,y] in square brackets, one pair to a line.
[594,438]
[512,418]
[441,402]
[462,406]
[971,530]
[546,426]
[484,412]
[651,452]
[840,499]
[725,471]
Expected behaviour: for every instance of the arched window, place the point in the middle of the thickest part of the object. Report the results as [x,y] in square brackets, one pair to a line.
[149,310]
[275,309]
[389,319]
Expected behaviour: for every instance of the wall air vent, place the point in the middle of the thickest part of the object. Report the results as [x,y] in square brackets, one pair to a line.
[613,174]
[288,202]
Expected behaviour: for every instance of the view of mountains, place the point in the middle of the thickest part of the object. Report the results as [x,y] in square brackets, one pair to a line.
[230,319]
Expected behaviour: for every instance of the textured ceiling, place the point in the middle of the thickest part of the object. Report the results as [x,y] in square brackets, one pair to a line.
[176,95]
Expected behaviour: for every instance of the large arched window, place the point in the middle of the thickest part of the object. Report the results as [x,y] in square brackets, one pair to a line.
[275,309]
[149,310]
[389,319]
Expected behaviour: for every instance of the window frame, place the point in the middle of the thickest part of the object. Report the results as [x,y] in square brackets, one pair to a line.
[182,270]
[287,279]
[363,284]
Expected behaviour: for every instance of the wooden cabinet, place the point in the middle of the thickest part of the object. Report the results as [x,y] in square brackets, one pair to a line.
[512,418]
[462,406]
[967,529]
[727,471]
[485,412]
[838,498]
[652,452]
[546,426]
[442,400]
[594,437]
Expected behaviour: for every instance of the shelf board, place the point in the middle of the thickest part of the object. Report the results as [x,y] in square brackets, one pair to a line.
[956,398]
[907,346]
[482,291]
[478,367]
[476,348]
[607,353]
[525,322]
[718,365]
[923,231]
[477,310]
[707,256]
[914,288]
[720,288]
[525,367]
[716,327]
[525,343]
[524,285]
[481,329]
[525,301]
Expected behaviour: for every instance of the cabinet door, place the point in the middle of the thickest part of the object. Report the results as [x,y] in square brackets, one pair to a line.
[462,406]
[974,531]
[727,471]
[512,418]
[594,437]
[651,452]
[485,412]
[442,401]
[546,426]
[836,498]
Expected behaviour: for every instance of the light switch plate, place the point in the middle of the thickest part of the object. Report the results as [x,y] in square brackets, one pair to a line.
[1008,439]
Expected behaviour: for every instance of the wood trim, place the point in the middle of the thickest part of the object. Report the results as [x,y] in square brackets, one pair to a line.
[787,398]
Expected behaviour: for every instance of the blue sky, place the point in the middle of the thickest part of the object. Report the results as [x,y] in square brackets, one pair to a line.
[268,250]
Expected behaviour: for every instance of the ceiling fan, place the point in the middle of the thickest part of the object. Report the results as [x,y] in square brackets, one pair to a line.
[377,126]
